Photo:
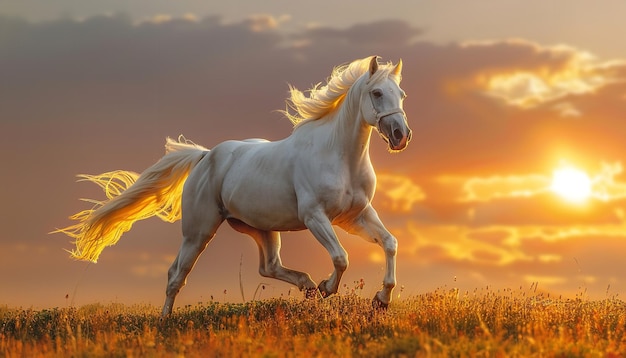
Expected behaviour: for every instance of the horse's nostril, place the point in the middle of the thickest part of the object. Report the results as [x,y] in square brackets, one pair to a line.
[397,134]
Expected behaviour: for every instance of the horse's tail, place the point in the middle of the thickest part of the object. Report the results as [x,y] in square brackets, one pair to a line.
[132,197]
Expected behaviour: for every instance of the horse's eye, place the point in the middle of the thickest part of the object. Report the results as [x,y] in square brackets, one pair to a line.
[377,93]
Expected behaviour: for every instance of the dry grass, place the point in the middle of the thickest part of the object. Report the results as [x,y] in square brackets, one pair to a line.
[444,323]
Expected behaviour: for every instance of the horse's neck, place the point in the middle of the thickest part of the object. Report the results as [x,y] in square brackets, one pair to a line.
[350,133]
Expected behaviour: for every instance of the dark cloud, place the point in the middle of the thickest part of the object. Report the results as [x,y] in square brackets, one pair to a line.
[112,48]
[391,33]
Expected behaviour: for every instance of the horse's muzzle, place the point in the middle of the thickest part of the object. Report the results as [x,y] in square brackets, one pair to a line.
[395,131]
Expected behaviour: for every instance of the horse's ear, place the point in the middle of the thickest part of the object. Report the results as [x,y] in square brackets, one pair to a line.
[373,65]
[397,71]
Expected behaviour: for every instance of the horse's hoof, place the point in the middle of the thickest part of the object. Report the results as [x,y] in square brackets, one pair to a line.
[379,305]
[322,288]
[311,293]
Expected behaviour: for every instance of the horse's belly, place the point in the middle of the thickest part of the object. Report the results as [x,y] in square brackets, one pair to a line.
[264,212]
[263,203]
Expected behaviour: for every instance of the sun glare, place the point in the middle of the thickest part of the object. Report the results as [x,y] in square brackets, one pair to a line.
[571,184]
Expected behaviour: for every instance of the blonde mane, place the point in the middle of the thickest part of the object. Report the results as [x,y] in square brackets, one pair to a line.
[324,99]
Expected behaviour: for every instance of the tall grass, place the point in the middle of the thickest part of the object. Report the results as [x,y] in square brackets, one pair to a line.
[443,323]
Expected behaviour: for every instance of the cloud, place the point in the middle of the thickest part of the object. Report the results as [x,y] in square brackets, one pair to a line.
[566,109]
[565,71]
[489,188]
[165,18]
[265,22]
[458,244]
[113,48]
[399,191]
[605,185]
[384,32]
[504,245]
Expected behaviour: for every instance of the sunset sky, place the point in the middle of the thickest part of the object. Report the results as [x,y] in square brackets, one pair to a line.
[514,176]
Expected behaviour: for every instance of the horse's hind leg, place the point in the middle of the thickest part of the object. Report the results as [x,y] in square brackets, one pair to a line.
[197,233]
[270,264]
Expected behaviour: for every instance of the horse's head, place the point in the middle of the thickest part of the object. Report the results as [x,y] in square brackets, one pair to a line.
[381,105]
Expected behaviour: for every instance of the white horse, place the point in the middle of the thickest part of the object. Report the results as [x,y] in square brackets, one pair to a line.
[319,176]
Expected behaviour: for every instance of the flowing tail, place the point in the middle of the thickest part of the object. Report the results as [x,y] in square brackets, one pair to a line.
[132,197]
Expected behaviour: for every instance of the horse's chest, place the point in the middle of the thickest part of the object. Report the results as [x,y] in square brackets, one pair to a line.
[349,194]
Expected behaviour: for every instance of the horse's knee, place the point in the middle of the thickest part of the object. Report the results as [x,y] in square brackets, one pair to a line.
[390,245]
[173,287]
[341,262]
[171,277]
[176,279]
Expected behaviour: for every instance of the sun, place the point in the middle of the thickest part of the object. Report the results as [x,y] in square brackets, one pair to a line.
[571,184]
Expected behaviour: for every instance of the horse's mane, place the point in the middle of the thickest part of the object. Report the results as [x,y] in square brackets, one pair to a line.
[323,99]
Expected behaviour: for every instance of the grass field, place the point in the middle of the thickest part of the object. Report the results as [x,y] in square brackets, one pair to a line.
[444,323]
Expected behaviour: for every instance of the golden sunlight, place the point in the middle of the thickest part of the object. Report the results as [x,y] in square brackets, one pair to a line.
[571,184]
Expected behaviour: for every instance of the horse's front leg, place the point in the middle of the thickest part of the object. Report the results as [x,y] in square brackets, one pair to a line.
[323,231]
[369,227]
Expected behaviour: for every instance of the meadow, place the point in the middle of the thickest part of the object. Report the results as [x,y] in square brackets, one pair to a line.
[443,323]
